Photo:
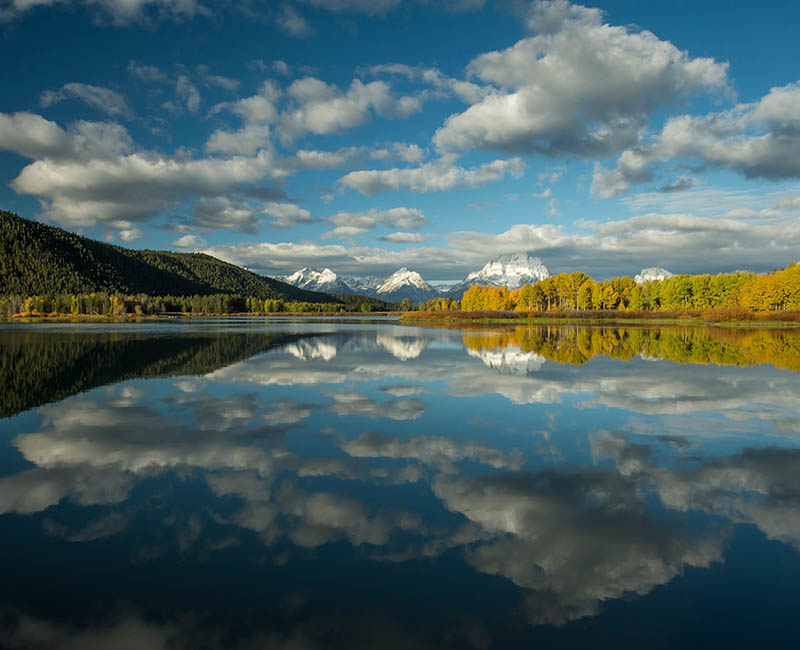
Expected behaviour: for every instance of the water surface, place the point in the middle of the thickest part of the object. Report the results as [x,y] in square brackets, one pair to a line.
[253,483]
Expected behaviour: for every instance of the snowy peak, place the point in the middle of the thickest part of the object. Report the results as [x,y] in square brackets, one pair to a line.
[314,280]
[652,273]
[401,284]
[401,279]
[512,271]
[368,284]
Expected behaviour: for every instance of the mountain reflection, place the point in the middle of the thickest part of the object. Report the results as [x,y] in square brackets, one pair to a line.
[339,486]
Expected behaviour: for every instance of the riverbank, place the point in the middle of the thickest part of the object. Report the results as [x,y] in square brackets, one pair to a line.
[718,317]
[36,317]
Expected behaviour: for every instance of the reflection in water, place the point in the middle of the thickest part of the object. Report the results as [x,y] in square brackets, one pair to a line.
[705,345]
[346,485]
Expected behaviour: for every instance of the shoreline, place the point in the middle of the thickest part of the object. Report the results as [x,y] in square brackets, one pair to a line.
[754,319]
[176,316]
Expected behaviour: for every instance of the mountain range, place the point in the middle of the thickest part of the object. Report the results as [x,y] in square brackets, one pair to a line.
[512,271]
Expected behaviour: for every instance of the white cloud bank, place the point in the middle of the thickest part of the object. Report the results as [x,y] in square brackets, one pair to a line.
[578,86]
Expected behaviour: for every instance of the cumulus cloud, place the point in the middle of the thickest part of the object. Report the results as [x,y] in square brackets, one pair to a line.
[350,224]
[103,99]
[90,172]
[578,86]
[245,141]
[431,177]
[757,140]
[32,136]
[225,213]
[321,108]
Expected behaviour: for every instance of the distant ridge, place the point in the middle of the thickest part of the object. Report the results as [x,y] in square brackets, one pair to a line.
[511,271]
[37,259]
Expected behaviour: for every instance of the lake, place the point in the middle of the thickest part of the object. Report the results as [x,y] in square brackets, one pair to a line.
[278,483]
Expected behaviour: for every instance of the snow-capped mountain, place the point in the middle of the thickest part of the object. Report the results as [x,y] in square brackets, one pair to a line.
[401,284]
[405,284]
[512,271]
[652,273]
[314,280]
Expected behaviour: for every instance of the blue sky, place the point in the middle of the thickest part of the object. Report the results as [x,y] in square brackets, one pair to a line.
[365,136]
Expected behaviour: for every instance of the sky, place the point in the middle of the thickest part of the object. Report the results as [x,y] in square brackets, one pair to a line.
[366,135]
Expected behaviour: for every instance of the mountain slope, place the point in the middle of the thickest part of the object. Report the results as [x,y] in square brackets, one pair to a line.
[36,259]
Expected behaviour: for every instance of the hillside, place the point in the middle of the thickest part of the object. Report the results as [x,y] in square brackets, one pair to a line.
[36,259]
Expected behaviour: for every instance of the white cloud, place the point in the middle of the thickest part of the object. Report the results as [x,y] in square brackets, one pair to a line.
[443,85]
[189,242]
[103,99]
[224,213]
[32,136]
[757,140]
[312,159]
[578,86]
[286,215]
[90,173]
[350,224]
[246,141]
[321,108]
[258,112]
[404,238]
[431,177]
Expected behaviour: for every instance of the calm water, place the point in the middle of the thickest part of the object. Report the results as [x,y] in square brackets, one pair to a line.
[359,484]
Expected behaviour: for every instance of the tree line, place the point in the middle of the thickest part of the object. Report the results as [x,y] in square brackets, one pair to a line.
[577,291]
[102,303]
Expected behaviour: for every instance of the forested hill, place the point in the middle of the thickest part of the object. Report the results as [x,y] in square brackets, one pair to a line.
[36,259]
